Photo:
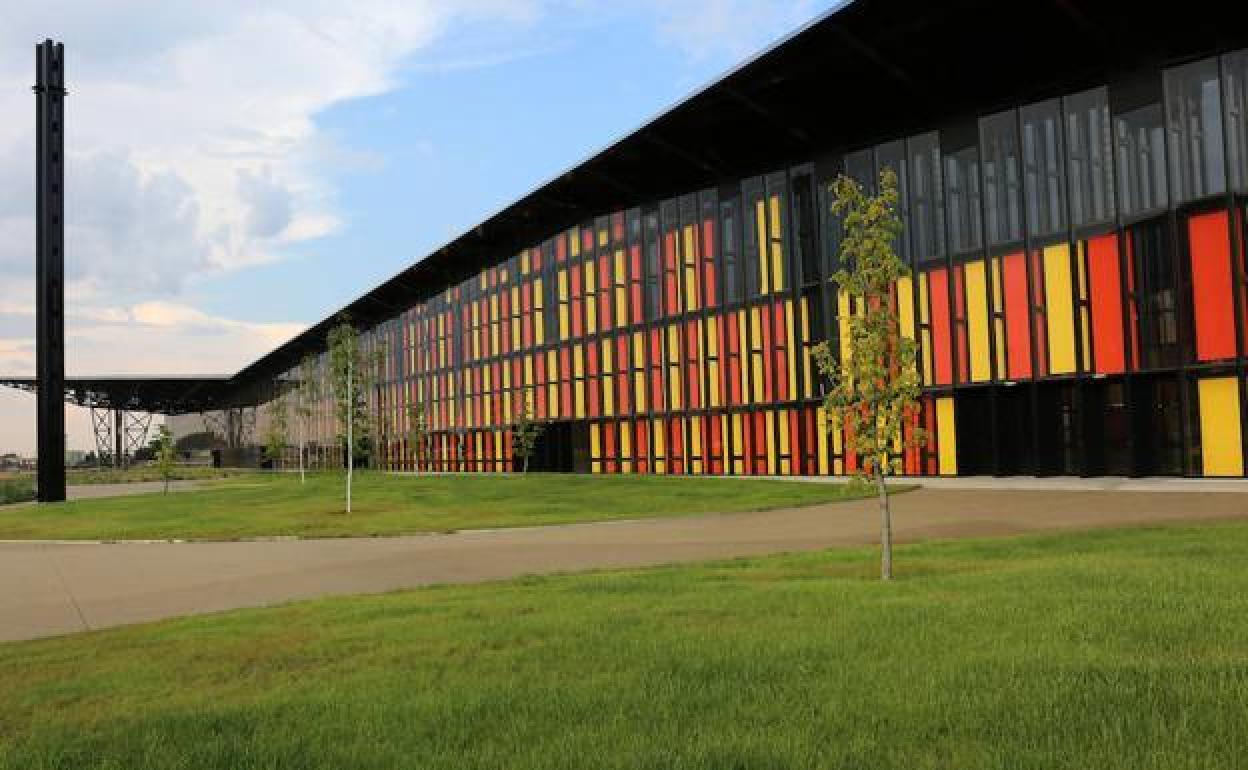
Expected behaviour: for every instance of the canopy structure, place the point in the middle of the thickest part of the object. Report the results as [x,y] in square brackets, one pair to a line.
[159,394]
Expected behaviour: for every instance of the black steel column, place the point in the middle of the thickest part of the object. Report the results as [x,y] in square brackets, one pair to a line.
[50,268]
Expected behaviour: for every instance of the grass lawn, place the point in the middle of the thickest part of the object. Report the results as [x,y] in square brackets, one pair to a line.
[277,504]
[1115,649]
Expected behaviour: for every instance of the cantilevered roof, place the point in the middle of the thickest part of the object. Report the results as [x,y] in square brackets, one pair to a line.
[870,71]
[160,394]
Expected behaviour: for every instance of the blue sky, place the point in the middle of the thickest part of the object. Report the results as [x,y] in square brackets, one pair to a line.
[239,171]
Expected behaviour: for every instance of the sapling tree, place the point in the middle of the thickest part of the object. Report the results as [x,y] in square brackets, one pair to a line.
[166,455]
[347,379]
[307,395]
[525,433]
[277,432]
[417,430]
[874,386]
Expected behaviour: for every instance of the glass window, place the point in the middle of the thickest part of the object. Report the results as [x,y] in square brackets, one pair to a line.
[963,199]
[804,227]
[1141,144]
[730,247]
[652,257]
[1043,178]
[1194,119]
[1156,296]
[1235,82]
[893,155]
[1002,189]
[831,231]
[860,167]
[753,193]
[1088,158]
[927,209]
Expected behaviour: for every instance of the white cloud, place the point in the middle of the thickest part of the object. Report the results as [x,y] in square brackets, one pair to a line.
[731,29]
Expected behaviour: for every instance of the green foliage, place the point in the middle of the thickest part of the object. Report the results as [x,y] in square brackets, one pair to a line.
[525,432]
[166,455]
[874,387]
[17,490]
[417,429]
[349,380]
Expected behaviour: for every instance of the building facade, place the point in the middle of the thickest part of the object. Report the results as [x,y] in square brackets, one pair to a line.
[1078,297]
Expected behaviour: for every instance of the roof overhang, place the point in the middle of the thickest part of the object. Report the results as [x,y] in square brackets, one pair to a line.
[159,394]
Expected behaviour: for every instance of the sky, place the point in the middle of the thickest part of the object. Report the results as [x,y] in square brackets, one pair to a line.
[237,170]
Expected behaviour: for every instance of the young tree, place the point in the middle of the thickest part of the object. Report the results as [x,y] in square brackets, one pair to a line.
[276,435]
[345,374]
[525,433]
[874,387]
[308,394]
[417,429]
[165,454]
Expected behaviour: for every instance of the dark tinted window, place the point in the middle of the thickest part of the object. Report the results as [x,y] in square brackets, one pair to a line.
[1141,158]
[1194,119]
[927,209]
[962,200]
[1044,182]
[1088,157]
[1003,192]
[730,248]
[1235,90]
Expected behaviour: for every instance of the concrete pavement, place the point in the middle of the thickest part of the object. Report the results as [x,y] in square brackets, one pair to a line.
[62,588]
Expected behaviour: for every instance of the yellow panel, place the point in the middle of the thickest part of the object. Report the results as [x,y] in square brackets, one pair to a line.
[1221,446]
[791,351]
[626,447]
[760,217]
[786,466]
[574,241]
[946,437]
[842,324]
[777,249]
[695,441]
[656,430]
[1059,309]
[771,443]
[905,305]
[977,321]
[595,448]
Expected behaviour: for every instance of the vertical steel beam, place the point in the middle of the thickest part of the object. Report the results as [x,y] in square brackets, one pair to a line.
[50,267]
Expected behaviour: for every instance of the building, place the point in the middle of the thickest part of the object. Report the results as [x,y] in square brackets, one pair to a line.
[1075,186]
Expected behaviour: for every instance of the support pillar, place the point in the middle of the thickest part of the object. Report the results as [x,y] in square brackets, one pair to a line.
[50,267]
[119,438]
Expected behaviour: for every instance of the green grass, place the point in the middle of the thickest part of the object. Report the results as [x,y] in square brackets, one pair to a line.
[277,504]
[1110,650]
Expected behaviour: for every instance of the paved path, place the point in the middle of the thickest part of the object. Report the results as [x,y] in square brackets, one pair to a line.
[56,589]
[87,491]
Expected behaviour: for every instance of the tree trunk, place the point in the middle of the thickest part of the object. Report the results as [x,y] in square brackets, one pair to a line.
[886,529]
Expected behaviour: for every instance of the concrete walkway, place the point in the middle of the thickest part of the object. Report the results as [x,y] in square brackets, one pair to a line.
[56,589]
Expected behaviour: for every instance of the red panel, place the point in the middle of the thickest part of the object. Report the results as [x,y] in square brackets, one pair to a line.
[565,383]
[959,316]
[1105,288]
[656,375]
[1212,302]
[576,301]
[605,319]
[780,368]
[691,354]
[539,379]
[671,289]
[708,263]
[1037,301]
[1017,333]
[938,285]
[591,380]
[675,446]
[760,443]
[623,376]
[635,287]
[608,448]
